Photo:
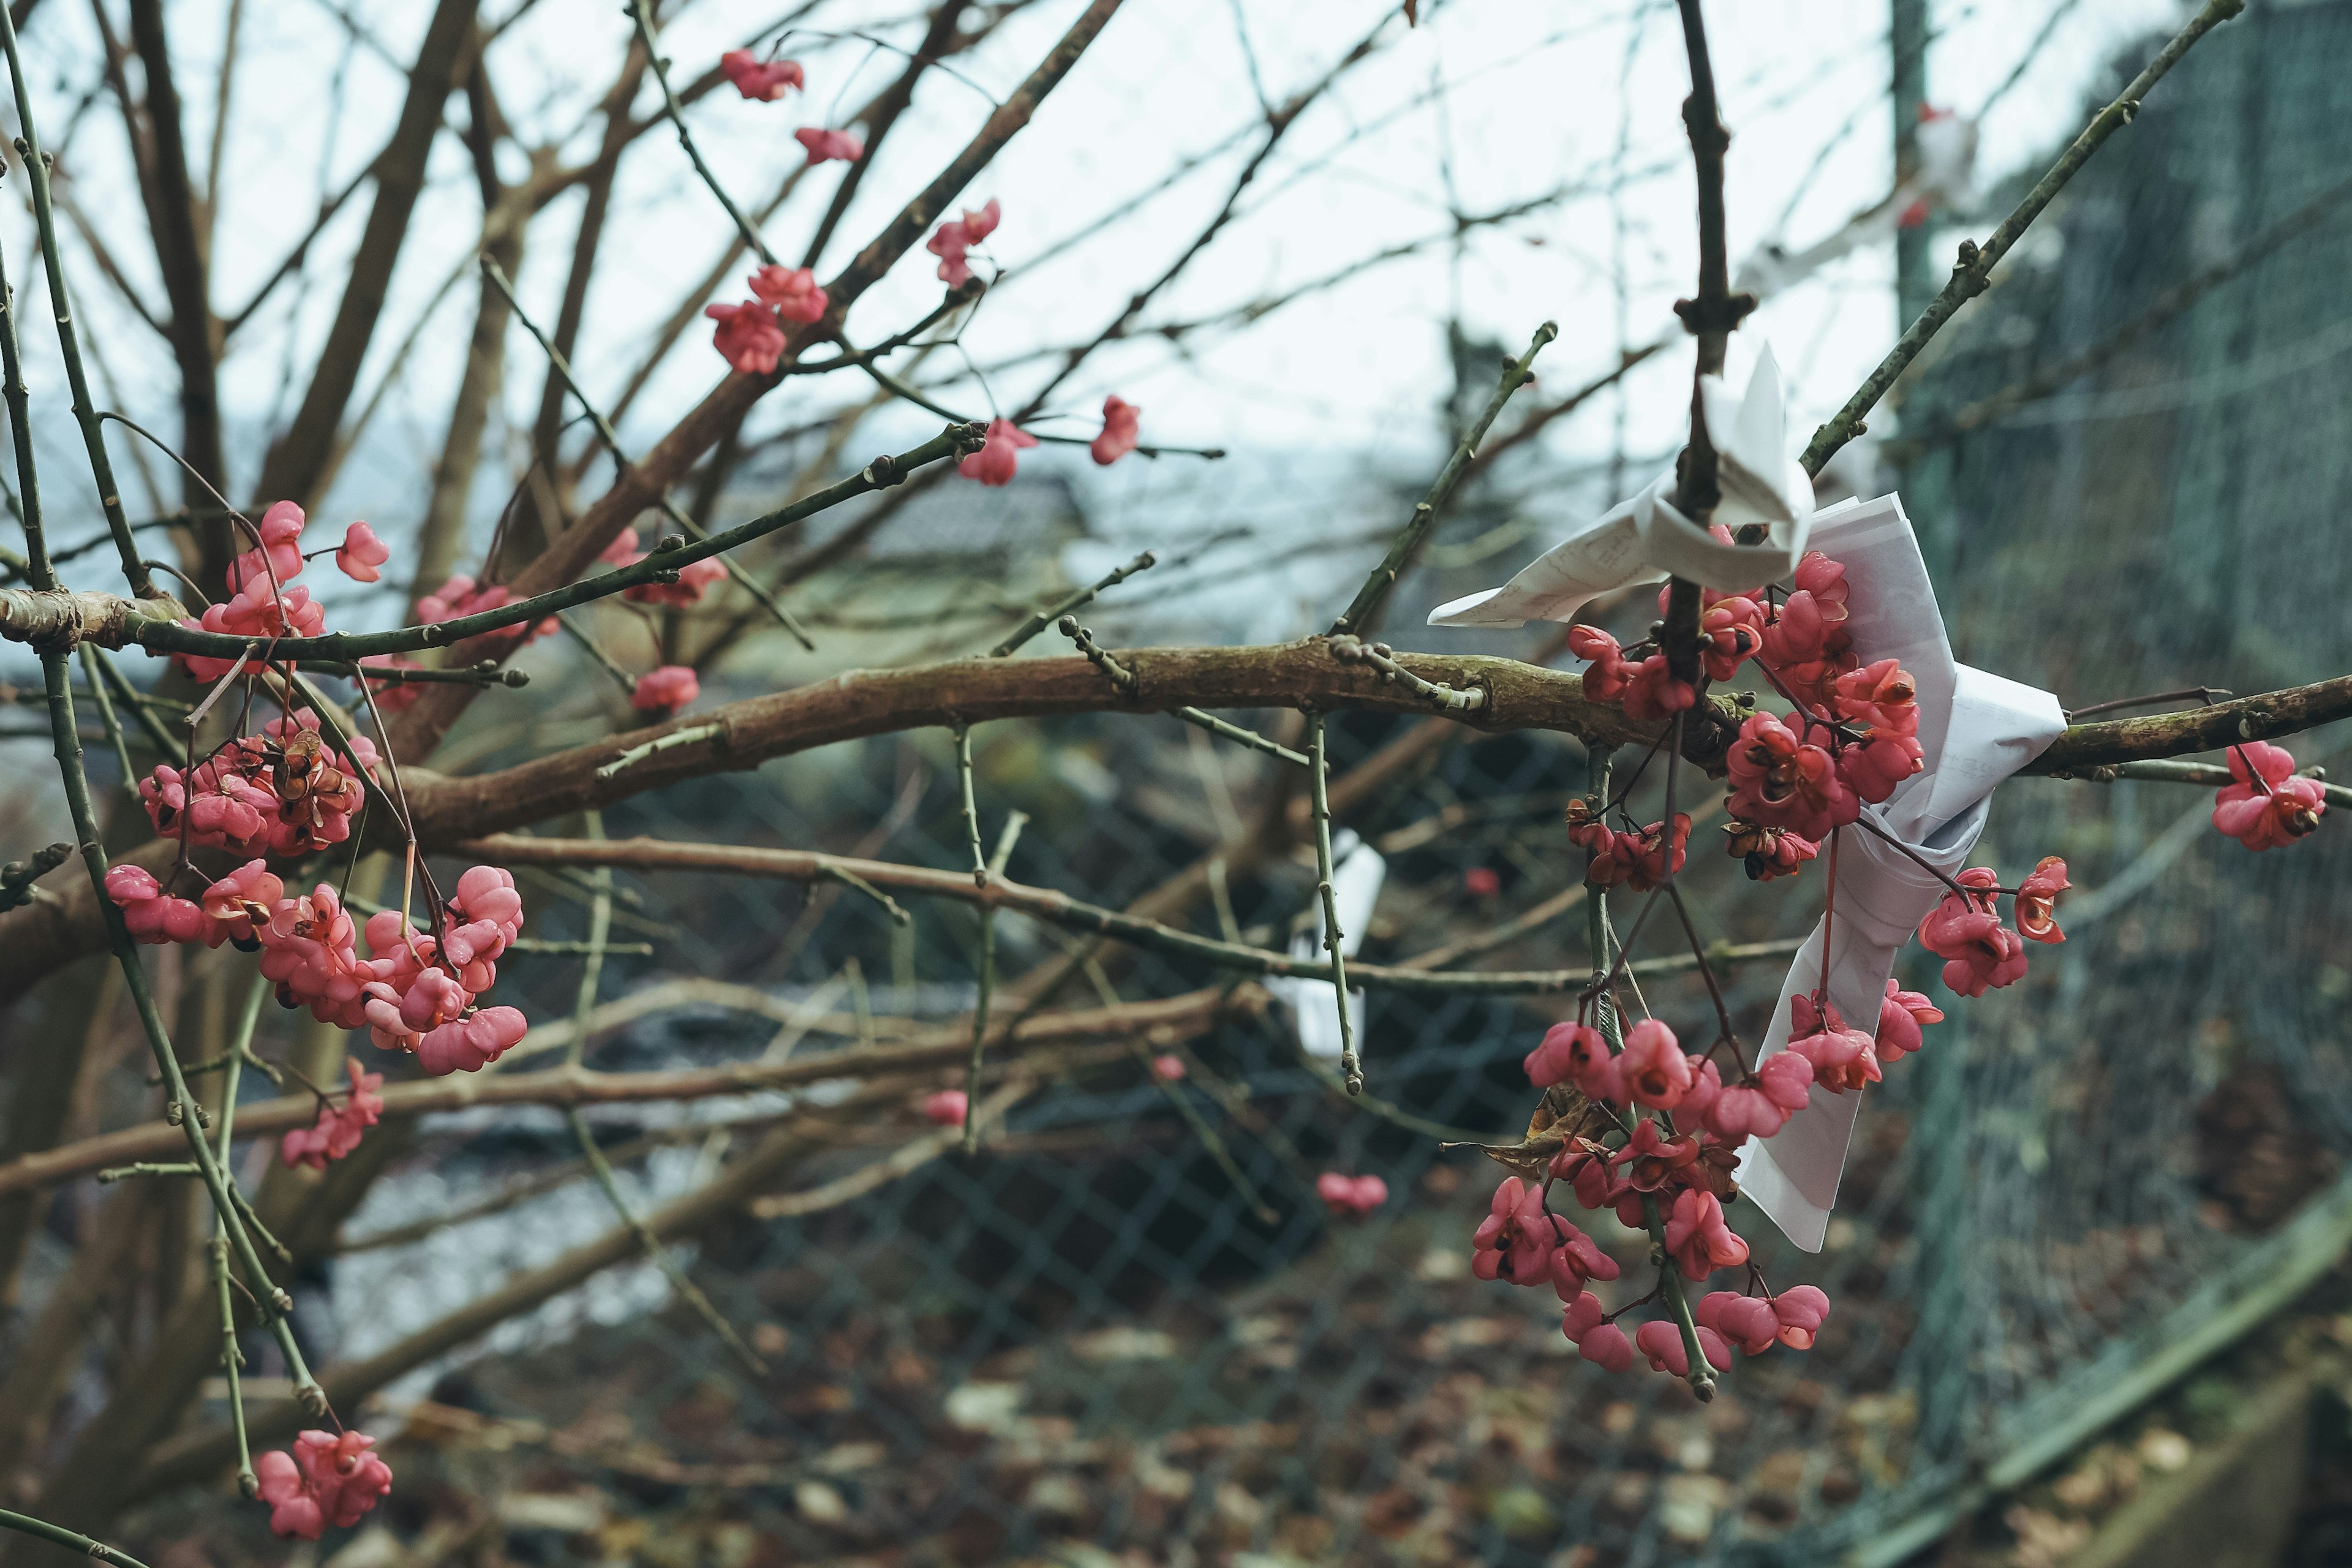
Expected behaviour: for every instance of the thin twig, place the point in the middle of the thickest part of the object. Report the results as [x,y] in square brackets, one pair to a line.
[1366,606]
[1974,269]
[1351,1069]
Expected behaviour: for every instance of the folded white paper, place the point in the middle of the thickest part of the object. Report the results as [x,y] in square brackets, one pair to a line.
[1975,730]
[1358,871]
[1645,539]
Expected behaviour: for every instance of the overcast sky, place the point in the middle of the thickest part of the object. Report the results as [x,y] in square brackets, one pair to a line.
[1504,103]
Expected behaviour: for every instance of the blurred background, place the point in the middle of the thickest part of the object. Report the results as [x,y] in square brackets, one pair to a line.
[2086,1264]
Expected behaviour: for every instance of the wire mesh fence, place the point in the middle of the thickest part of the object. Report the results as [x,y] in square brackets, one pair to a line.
[1105,1339]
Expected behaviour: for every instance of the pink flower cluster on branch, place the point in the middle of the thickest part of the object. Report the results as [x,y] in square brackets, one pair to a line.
[340,1127]
[1350,1197]
[750,335]
[958,234]
[415,991]
[763,81]
[264,601]
[329,1479]
[282,791]
[2267,806]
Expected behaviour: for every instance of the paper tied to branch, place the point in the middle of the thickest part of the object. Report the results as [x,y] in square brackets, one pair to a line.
[1975,730]
[1357,873]
[1645,539]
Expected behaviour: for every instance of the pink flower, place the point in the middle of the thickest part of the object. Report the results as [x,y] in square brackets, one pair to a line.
[825,146]
[247,896]
[1580,1316]
[1780,781]
[1586,1168]
[1121,422]
[2036,897]
[1807,643]
[1607,1347]
[672,687]
[2267,807]
[1650,1161]
[1733,628]
[339,1127]
[1481,882]
[1575,1053]
[1652,692]
[1769,852]
[995,461]
[472,1043]
[622,551]
[1746,1321]
[1698,1236]
[361,553]
[1662,1341]
[763,80]
[1899,1020]
[1605,679]
[1576,1260]
[1655,1071]
[1759,1107]
[957,235]
[1515,1241]
[1980,952]
[792,290]
[748,338]
[1167,1069]
[979,225]
[1842,1057]
[1346,1194]
[329,1479]
[948,1107]
[1881,695]
[1800,1310]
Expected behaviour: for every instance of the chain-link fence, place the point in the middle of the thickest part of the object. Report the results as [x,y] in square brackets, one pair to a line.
[1106,1339]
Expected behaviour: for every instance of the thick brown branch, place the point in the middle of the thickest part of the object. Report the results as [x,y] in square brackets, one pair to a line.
[642,485]
[2263,717]
[871,702]
[298,461]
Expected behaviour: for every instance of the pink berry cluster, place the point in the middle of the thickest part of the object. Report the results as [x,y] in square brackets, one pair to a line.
[282,791]
[1639,857]
[264,601]
[751,336]
[2267,806]
[339,1127]
[415,991]
[764,81]
[330,1478]
[958,234]
[1686,1129]
[1965,930]
[1350,1197]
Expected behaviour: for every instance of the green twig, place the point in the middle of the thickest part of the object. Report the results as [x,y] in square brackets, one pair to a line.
[1351,1069]
[1039,620]
[621,460]
[1974,269]
[1375,591]
[1014,822]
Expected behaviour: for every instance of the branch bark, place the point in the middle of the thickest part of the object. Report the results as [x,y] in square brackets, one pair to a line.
[298,459]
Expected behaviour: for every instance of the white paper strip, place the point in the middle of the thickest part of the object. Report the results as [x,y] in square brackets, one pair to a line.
[1975,730]
[1357,870]
[1645,539]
